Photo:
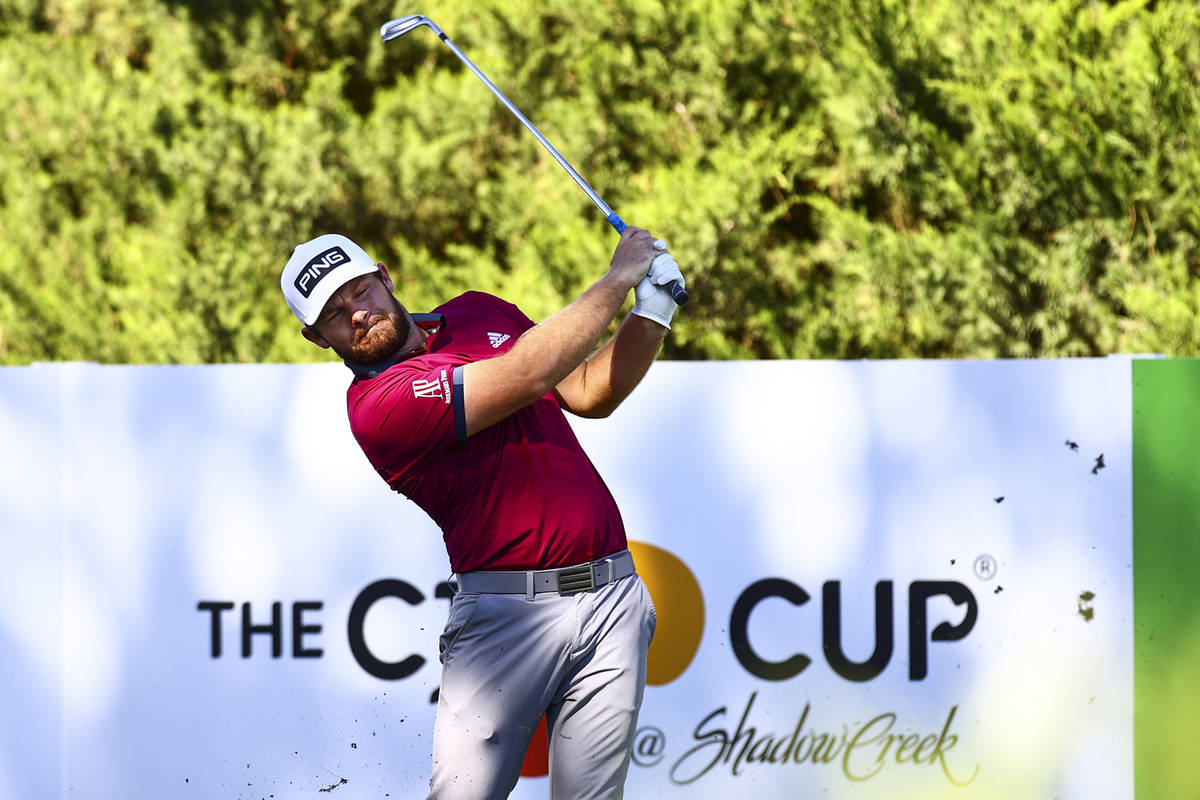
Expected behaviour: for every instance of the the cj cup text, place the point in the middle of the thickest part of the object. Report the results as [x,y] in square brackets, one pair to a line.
[302,629]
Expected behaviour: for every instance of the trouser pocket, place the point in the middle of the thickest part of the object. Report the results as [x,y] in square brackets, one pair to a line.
[462,611]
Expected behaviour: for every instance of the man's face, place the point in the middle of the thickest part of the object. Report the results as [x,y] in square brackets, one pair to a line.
[362,321]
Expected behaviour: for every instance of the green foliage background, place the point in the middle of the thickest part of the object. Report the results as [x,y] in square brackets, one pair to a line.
[859,178]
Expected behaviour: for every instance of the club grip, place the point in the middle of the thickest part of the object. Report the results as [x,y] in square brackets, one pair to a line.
[678,293]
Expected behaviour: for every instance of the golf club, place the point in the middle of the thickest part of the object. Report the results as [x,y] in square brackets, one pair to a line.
[402,25]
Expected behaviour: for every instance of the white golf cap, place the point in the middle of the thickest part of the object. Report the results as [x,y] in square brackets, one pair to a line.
[317,269]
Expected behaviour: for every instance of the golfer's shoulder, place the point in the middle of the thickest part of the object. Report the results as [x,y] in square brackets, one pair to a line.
[472,300]
[475,305]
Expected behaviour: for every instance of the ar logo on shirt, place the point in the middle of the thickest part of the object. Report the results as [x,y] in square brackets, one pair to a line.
[438,388]
[497,339]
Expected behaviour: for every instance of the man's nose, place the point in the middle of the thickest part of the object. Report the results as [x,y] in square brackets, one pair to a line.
[359,317]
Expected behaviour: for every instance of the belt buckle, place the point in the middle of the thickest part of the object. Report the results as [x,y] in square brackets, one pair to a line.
[576,579]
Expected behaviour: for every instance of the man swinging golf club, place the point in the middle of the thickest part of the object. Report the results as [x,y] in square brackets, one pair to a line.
[461,410]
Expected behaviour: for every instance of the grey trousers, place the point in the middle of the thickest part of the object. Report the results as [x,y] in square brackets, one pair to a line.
[580,659]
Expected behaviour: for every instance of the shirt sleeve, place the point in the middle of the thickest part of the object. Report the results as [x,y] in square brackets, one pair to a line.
[405,415]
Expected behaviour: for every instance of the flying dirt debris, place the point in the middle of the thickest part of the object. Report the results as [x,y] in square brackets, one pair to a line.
[1085,605]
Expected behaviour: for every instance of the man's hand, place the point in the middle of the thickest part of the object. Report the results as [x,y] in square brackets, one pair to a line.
[654,302]
[631,260]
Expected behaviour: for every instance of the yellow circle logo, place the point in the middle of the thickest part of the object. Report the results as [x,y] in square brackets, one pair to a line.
[680,606]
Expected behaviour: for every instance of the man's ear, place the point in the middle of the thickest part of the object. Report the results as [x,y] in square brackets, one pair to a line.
[387,279]
[311,334]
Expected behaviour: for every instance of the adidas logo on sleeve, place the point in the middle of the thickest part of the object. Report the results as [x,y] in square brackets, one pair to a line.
[497,339]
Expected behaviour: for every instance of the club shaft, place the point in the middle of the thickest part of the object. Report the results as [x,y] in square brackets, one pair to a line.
[399,27]
[562,162]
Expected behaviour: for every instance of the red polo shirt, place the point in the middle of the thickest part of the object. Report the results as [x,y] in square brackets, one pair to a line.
[520,494]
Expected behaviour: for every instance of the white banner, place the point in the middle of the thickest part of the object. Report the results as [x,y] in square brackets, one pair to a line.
[31,589]
[874,580]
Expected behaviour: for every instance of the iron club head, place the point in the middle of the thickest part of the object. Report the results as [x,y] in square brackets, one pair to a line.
[402,25]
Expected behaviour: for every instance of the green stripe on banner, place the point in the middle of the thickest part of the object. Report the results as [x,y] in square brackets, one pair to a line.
[1166,574]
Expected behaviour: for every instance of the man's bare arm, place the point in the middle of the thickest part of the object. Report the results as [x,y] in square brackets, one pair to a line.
[548,352]
[601,383]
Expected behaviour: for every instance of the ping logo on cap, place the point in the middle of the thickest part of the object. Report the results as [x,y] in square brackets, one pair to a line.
[320,266]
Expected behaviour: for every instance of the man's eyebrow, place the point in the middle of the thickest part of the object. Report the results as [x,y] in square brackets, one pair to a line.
[354,284]
[327,312]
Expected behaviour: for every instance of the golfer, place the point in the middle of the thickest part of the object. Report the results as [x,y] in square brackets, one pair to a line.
[461,411]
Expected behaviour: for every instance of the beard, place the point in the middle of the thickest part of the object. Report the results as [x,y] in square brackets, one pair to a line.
[382,338]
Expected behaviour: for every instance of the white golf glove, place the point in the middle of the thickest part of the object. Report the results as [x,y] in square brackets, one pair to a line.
[652,300]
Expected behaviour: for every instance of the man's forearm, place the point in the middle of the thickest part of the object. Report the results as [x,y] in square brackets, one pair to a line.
[541,358]
[559,343]
[548,354]
[604,381]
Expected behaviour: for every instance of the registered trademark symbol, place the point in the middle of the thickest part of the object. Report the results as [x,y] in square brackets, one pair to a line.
[985,567]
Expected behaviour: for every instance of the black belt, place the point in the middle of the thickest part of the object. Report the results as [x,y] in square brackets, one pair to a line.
[565,580]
